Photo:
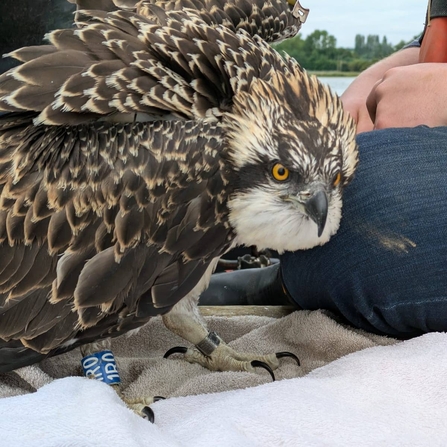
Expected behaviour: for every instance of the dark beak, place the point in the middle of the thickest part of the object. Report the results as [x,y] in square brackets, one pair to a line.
[316,208]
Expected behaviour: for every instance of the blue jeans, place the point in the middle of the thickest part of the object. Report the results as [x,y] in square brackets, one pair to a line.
[385,271]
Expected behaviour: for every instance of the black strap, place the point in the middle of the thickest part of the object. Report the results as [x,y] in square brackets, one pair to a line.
[438,8]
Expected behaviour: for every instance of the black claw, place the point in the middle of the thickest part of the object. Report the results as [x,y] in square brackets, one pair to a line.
[257,363]
[148,414]
[157,398]
[175,350]
[280,355]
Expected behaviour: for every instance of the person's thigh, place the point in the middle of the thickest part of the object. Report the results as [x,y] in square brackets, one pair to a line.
[385,270]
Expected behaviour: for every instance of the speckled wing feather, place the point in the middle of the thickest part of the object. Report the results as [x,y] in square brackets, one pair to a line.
[114,169]
[272,20]
[104,224]
[93,220]
[122,63]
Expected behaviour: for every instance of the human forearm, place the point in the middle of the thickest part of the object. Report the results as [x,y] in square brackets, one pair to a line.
[354,98]
[410,96]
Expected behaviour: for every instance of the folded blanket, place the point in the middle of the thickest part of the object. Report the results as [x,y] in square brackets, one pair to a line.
[385,395]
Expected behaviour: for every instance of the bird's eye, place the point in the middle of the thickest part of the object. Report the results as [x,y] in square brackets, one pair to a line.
[337,180]
[280,172]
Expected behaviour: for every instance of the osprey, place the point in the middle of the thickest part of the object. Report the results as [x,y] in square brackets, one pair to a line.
[135,151]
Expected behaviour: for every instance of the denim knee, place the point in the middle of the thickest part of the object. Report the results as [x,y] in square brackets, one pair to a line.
[385,270]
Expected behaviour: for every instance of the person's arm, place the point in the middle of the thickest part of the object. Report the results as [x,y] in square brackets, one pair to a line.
[410,96]
[355,96]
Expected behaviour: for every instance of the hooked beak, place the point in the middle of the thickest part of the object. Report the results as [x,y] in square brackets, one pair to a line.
[316,208]
[314,204]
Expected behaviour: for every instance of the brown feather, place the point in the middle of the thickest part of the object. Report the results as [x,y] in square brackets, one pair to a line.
[11,268]
[59,232]
[122,218]
[26,54]
[52,69]
[23,269]
[102,278]
[44,264]
[69,268]
[16,313]
[14,228]
[34,232]
[44,334]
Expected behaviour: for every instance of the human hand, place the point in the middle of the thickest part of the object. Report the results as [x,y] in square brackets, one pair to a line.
[409,96]
[354,98]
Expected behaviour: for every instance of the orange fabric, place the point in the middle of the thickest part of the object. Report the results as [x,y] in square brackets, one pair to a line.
[434,43]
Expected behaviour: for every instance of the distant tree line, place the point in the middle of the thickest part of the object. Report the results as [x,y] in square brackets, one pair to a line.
[319,51]
[25,22]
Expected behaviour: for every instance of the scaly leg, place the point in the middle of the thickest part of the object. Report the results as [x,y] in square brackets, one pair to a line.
[211,351]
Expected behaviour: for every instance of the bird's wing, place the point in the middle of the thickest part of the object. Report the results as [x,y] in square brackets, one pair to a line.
[104,225]
[124,66]
[94,216]
[273,20]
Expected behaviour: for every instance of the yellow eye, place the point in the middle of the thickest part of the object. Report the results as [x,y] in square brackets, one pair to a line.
[337,179]
[280,172]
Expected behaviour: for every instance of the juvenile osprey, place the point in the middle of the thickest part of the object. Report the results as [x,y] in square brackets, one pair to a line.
[135,151]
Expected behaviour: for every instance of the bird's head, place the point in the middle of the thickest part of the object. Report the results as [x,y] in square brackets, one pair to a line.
[293,149]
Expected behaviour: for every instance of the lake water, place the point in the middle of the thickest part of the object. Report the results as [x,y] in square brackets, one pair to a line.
[338,85]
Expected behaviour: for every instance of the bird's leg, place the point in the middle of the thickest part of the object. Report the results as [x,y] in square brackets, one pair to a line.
[210,350]
[99,363]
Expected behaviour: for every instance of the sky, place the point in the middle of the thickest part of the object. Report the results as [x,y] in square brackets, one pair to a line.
[396,19]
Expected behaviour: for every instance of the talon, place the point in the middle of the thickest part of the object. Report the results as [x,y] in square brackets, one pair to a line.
[280,355]
[148,414]
[175,350]
[157,398]
[257,363]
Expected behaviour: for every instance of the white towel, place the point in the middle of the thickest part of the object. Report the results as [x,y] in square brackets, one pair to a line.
[392,395]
